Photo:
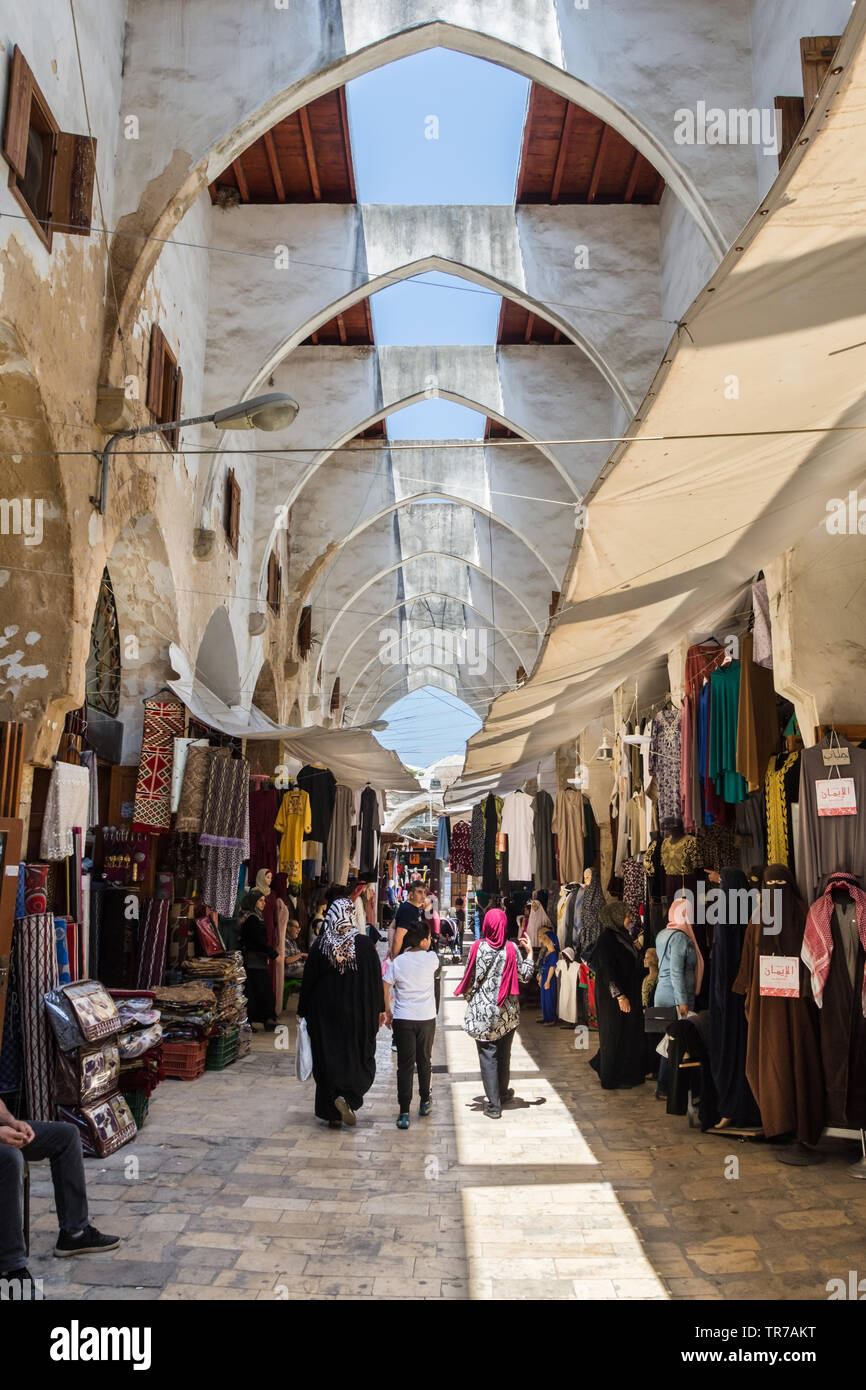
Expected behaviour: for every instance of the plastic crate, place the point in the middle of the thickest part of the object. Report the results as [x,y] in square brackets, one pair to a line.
[139,1104]
[223,1050]
[185,1061]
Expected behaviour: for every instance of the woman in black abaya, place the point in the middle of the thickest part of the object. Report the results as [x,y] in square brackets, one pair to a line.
[728,1028]
[619,975]
[343,1001]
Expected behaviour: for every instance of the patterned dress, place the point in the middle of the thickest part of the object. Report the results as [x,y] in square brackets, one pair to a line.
[462,859]
[477,836]
[665,761]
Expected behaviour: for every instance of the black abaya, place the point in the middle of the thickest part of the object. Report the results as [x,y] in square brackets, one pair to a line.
[728,1028]
[620,1057]
[490,880]
[342,1013]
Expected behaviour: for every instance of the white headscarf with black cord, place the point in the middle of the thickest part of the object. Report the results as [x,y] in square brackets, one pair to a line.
[337,937]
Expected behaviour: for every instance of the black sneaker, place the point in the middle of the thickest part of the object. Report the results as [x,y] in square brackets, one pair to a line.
[88,1242]
[508,1095]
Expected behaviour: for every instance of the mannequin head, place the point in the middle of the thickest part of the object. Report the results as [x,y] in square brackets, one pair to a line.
[587,877]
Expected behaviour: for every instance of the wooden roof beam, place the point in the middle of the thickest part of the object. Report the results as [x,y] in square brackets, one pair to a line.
[347,146]
[243,186]
[562,152]
[632,177]
[530,324]
[309,152]
[270,151]
[369,317]
[523,166]
[598,164]
[341,329]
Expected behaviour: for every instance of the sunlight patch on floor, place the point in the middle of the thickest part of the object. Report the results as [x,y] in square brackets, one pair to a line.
[570,1241]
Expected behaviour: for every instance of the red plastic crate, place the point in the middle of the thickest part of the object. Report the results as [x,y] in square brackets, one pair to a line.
[185,1061]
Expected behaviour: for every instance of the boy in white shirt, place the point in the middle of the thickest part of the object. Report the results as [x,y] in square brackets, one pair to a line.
[410,1004]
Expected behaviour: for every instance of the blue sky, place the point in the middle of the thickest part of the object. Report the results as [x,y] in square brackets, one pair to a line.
[438,127]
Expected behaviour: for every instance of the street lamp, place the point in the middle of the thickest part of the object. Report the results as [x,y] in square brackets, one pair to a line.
[275,411]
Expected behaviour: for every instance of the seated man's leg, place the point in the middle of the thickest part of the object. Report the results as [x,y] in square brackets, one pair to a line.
[12,1252]
[60,1143]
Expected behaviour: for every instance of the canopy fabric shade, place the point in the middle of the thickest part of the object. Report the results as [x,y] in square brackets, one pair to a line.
[714,481]
[354,756]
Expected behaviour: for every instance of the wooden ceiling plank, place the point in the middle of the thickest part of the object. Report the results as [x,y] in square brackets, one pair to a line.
[598,165]
[273,164]
[523,166]
[369,318]
[659,188]
[562,152]
[530,325]
[341,328]
[241,177]
[309,152]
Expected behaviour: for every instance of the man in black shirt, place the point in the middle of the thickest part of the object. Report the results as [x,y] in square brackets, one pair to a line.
[409,914]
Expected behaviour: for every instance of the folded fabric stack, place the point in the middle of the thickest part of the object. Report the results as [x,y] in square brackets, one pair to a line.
[139,1044]
[225,976]
[187,1011]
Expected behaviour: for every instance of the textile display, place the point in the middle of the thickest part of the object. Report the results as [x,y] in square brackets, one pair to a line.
[829,843]
[36,974]
[724,693]
[542,834]
[67,805]
[11,1054]
[517,823]
[73,948]
[225,830]
[757,722]
[20,894]
[64,974]
[115,934]
[665,761]
[152,942]
[461,848]
[163,723]
[781,789]
[569,828]
[477,838]
[191,804]
[368,831]
[264,842]
[180,752]
[834,951]
[763,649]
[443,841]
[90,761]
[35,890]
[320,784]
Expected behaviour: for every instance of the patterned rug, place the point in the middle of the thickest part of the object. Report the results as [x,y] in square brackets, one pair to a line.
[163,723]
[35,974]
[152,942]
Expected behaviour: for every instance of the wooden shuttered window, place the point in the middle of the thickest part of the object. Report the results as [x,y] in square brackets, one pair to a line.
[52,171]
[275,580]
[305,631]
[164,385]
[816,57]
[335,696]
[232,519]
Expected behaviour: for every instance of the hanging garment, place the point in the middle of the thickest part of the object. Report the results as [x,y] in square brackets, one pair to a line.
[368,831]
[728,1029]
[461,848]
[763,650]
[633,880]
[191,804]
[567,981]
[687,763]
[569,827]
[492,813]
[163,723]
[152,942]
[443,841]
[36,974]
[827,844]
[64,973]
[542,834]
[320,784]
[67,806]
[590,850]
[781,789]
[90,761]
[665,762]
[517,823]
[725,704]
[477,834]
[340,834]
[783,1064]
[293,822]
[264,842]
[225,831]
[180,753]
[834,954]
[750,822]
[757,721]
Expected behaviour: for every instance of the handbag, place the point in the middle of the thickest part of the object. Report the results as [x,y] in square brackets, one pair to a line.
[303,1052]
[657,1020]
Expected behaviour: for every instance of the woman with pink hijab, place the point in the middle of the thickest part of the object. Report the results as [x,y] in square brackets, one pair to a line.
[491,990]
[681,970]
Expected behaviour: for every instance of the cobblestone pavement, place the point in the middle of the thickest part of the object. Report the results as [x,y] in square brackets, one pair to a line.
[234,1191]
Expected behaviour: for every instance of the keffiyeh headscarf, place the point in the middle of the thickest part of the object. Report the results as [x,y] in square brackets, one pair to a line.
[337,937]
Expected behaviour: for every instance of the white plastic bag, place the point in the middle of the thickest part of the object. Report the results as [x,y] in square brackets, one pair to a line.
[303,1053]
[664,1046]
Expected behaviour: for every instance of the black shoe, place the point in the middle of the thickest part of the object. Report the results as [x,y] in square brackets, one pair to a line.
[493,1112]
[88,1242]
[508,1095]
[335,1124]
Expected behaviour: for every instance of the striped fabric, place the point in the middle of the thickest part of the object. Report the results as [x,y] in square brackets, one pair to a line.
[817,949]
[35,974]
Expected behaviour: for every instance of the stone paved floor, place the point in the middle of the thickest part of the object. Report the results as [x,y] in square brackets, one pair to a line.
[234,1191]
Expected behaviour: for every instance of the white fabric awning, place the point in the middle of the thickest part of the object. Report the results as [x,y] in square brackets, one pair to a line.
[676,524]
[355,756]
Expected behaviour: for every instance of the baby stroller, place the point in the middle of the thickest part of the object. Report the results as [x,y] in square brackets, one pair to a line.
[448,940]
